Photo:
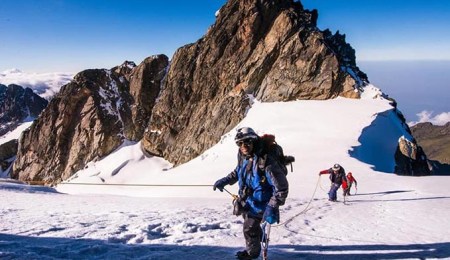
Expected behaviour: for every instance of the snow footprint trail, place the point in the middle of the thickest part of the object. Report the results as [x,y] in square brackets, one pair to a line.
[392,224]
[303,219]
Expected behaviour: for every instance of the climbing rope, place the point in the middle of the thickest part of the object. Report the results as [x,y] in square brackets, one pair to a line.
[138,185]
[118,184]
[321,187]
[296,215]
[304,210]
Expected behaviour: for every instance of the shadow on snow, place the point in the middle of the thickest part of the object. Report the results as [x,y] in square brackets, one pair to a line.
[378,143]
[355,197]
[384,192]
[23,247]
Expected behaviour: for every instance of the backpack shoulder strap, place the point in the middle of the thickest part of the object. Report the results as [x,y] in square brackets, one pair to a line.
[262,162]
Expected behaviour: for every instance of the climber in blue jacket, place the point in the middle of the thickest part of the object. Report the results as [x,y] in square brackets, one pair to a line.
[263,187]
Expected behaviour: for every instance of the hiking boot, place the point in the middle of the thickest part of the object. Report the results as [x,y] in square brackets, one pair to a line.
[243,255]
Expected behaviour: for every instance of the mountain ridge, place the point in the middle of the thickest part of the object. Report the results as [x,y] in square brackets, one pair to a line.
[266,49]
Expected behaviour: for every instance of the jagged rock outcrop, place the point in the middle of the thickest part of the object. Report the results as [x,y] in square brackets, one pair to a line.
[125,69]
[410,158]
[87,120]
[270,49]
[18,104]
[145,85]
[83,122]
[8,151]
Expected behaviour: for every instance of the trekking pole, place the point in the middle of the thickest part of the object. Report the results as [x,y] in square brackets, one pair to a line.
[265,239]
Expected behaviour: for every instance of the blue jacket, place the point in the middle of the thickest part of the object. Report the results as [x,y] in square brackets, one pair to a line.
[260,185]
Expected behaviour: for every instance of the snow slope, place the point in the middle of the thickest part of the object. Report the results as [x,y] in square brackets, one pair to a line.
[390,217]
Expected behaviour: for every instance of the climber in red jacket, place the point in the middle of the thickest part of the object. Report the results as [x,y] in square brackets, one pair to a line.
[350,180]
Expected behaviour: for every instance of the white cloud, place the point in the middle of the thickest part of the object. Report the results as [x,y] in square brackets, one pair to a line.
[427,116]
[45,85]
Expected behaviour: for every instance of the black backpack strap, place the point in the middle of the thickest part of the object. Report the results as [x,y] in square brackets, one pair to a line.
[262,162]
[262,167]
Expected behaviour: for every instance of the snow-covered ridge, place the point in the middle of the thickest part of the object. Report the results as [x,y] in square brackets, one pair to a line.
[336,126]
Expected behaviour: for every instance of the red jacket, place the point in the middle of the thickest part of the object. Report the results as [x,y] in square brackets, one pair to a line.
[351,179]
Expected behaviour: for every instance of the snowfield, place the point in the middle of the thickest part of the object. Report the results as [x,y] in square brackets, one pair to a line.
[94,216]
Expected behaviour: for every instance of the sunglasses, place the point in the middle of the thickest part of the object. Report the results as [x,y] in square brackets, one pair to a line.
[247,142]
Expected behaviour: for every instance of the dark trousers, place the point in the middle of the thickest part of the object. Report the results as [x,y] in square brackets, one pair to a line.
[347,191]
[252,233]
[332,194]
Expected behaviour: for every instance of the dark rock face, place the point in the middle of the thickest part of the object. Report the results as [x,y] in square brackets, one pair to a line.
[435,141]
[410,159]
[145,86]
[8,151]
[125,69]
[81,123]
[18,104]
[270,49]
[88,119]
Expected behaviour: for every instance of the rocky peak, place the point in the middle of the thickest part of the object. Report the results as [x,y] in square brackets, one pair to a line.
[89,118]
[83,122]
[124,69]
[269,49]
[346,55]
[16,105]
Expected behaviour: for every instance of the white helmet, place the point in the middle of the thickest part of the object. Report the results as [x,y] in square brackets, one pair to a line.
[336,167]
[245,133]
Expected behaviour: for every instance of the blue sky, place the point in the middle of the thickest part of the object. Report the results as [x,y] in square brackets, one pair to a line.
[72,35]
[389,29]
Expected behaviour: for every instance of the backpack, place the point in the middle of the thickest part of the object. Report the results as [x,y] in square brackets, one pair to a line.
[271,149]
[339,177]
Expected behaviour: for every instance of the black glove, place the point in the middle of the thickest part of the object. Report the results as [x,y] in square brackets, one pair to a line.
[289,159]
[220,184]
[271,214]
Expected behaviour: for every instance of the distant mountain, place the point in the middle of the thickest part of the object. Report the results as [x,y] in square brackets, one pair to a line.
[435,141]
[45,85]
[18,104]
